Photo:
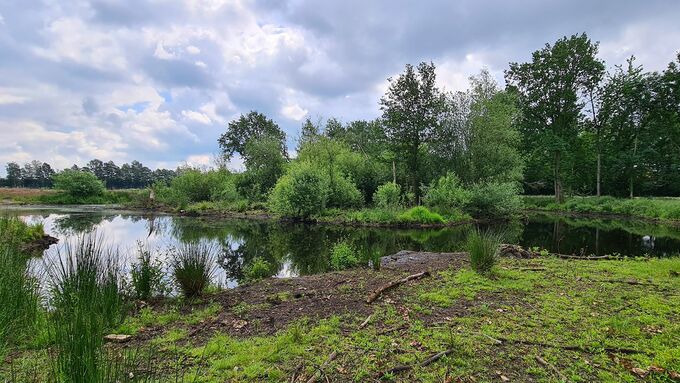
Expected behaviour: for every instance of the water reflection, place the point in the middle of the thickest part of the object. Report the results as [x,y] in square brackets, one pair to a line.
[297,249]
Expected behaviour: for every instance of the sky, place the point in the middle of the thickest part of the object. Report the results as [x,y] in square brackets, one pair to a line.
[159,80]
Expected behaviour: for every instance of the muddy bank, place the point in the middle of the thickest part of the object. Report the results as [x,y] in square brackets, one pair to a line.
[39,245]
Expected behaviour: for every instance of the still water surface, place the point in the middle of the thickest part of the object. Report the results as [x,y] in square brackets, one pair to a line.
[300,249]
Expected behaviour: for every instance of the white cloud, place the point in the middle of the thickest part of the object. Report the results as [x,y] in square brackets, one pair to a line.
[192,49]
[196,116]
[6,99]
[294,112]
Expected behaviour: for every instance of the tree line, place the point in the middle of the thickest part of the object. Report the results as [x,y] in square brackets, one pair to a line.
[134,175]
[561,124]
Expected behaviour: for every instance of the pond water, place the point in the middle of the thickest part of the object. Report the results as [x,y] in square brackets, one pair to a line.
[299,249]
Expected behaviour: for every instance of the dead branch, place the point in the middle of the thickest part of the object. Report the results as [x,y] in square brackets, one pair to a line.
[424,363]
[394,284]
[365,322]
[319,371]
[544,363]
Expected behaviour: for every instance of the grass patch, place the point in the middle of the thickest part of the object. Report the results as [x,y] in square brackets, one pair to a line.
[193,265]
[654,208]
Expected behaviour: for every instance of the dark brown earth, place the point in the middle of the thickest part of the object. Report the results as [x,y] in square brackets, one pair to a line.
[39,245]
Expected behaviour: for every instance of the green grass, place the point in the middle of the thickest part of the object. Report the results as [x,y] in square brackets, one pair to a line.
[14,231]
[393,217]
[483,249]
[654,208]
[193,266]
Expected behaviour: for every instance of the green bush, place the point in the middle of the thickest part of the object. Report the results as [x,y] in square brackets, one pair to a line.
[343,194]
[257,269]
[446,195]
[343,256]
[387,196]
[148,278]
[78,184]
[300,193]
[483,248]
[495,199]
[195,186]
[420,214]
[14,231]
[193,266]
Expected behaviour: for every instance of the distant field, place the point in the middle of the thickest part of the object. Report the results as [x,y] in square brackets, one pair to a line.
[20,193]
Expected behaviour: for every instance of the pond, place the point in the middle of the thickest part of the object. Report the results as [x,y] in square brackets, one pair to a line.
[301,249]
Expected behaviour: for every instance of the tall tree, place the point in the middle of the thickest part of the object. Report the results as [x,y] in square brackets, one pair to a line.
[13,174]
[550,90]
[254,125]
[412,108]
[309,133]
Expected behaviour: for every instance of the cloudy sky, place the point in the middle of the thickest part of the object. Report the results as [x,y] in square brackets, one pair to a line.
[158,80]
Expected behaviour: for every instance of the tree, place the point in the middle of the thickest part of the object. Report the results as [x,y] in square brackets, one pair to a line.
[310,133]
[247,127]
[264,165]
[78,184]
[13,174]
[550,90]
[300,193]
[412,108]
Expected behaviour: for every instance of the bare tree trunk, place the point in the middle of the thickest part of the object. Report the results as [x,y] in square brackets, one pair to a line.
[394,172]
[599,172]
[632,171]
[559,198]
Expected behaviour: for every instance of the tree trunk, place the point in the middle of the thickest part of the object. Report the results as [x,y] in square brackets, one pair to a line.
[394,172]
[599,172]
[632,170]
[559,198]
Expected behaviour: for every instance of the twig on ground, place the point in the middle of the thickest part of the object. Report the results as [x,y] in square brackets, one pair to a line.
[320,371]
[544,363]
[424,363]
[365,322]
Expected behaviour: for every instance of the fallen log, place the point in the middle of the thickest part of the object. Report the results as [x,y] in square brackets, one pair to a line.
[376,294]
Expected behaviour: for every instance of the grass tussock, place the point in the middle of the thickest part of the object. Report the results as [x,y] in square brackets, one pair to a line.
[193,266]
[483,247]
[147,275]
[86,301]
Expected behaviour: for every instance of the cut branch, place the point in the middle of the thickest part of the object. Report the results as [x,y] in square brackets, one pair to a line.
[424,363]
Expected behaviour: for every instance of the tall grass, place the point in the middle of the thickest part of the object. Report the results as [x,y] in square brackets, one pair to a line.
[483,248]
[193,266]
[19,297]
[14,232]
[85,289]
[148,277]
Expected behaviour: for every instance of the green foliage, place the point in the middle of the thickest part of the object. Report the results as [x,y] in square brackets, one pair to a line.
[343,194]
[193,265]
[14,231]
[85,288]
[483,248]
[247,127]
[659,208]
[300,193]
[495,199]
[421,215]
[447,194]
[192,185]
[78,184]
[343,256]
[265,163]
[258,268]
[148,277]
[387,196]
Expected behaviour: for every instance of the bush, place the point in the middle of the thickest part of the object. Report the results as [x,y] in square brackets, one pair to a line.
[78,184]
[195,186]
[387,196]
[447,195]
[343,256]
[483,248]
[193,266]
[14,231]
[300,193]
[420,214]
[344,194]
[257,269]
[495,199]
[148,278]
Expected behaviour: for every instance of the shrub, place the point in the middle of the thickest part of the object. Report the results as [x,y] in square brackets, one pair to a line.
[257,269]
[300,193]
[14,231]
[85,287]
[192,185]
[420,214]
[387,196]
[483,248]
[343,256]
[148,278]
[344,194]
[193,266]
[447,195]
[495,199]
[78,184]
